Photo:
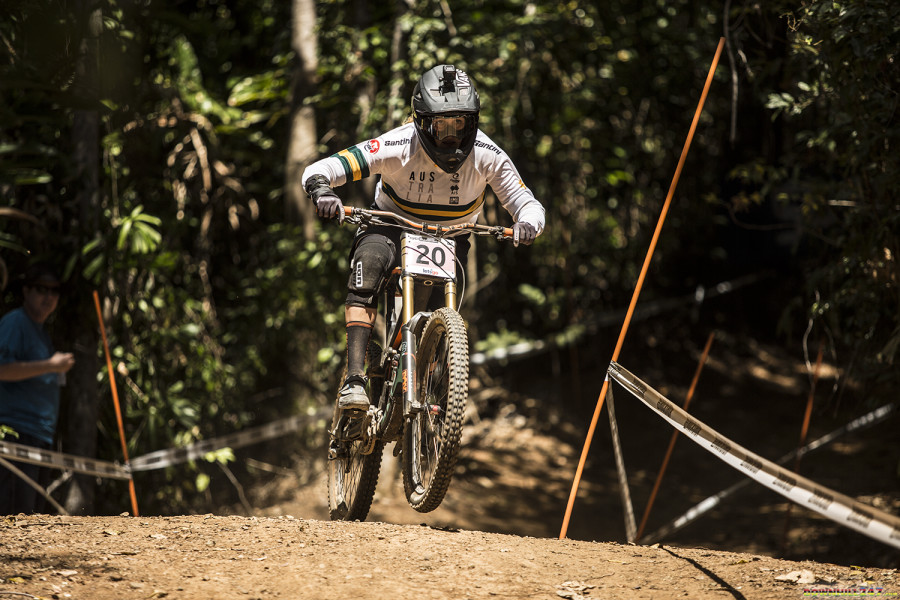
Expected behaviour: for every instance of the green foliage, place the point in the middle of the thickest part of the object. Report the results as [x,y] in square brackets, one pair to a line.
[841,108]
[222,455]
[213,304]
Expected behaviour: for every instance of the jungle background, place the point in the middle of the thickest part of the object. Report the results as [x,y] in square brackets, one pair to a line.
[152,150]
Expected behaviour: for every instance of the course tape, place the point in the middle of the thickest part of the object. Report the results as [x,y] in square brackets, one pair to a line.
[173,456]
[88,466]
[161,458]
[695,512]
[573,333]
[839,508]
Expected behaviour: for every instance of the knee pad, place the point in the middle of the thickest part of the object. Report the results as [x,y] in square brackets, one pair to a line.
[372,259]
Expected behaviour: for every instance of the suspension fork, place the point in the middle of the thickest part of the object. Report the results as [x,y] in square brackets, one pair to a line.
[411,404]
[410,320]
[450,294]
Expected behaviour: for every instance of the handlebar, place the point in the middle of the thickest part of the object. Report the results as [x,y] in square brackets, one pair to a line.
[361,216]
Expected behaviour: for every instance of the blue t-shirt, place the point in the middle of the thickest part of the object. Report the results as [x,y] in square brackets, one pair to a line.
[29,406]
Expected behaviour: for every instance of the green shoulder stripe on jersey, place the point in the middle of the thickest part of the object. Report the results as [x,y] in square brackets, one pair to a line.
[433,212]
[354,163]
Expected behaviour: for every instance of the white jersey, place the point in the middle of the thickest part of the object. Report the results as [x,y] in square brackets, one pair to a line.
[413,186]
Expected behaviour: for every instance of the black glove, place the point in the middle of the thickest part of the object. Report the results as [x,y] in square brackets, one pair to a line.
[328,205]
[523,233]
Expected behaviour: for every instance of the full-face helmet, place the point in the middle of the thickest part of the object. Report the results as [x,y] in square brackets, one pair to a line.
[445,109]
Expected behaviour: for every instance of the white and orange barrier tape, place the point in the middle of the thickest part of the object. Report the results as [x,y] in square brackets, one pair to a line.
[841,509]
[707,504]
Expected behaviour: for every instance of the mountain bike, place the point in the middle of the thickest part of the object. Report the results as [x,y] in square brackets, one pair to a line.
[418,375]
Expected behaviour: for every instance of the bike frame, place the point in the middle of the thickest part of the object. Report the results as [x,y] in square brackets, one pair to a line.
[398,358]
[426,416]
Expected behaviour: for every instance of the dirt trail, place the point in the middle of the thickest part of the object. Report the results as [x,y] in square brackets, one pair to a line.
[223,558]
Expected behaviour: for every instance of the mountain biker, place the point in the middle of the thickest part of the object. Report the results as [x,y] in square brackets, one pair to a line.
[434,169]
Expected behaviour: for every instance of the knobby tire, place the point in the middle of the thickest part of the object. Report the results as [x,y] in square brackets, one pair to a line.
[431,437]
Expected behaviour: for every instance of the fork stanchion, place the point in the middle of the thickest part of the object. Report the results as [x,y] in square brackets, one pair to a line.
[637,289]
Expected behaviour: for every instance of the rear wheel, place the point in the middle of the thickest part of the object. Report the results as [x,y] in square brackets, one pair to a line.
[354,464]
[431,437]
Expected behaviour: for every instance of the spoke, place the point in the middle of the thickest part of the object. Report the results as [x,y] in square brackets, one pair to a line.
[430,456]
[417,437]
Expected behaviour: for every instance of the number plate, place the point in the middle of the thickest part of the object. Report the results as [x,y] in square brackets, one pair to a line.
[429,256]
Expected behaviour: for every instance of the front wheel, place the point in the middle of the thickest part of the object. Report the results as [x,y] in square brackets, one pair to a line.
[431,437]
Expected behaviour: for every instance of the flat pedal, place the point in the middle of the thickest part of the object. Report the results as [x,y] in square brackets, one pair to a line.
[357,425]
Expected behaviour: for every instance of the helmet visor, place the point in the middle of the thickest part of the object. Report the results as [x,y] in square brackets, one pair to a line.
[450,130]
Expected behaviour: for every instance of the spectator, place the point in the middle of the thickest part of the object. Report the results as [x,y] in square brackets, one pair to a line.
[31,373]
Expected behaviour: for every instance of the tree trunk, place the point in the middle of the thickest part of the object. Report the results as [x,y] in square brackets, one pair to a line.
[303,139]
[398,104]
[81,430]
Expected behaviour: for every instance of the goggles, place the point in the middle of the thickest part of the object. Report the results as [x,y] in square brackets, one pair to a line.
[456,126]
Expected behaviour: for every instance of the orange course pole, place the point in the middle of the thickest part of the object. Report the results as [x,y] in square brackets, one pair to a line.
[637,289]
[115,395]
[665,462]
[804,430]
